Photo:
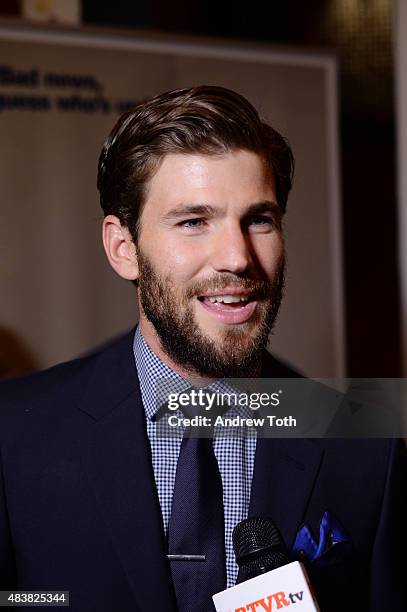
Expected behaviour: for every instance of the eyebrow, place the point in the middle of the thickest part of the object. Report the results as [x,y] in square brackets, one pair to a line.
[261,207]
[207,210]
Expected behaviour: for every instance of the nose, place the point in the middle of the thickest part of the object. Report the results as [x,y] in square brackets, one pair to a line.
[232,250]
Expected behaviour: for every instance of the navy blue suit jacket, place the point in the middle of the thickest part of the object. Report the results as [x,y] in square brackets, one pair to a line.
[79,509]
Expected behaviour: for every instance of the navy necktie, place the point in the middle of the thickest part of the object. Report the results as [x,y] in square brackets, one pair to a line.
[196,527]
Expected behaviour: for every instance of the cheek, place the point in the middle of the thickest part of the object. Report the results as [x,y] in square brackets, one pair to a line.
[270,252]
[182,261]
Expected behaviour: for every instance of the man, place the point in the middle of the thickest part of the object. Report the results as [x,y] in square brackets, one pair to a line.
[93,500]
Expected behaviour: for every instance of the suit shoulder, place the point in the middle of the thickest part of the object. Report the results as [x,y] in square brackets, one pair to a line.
[37,387]
[43,390]
[273,367]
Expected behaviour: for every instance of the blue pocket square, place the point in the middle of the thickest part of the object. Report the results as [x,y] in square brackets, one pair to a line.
[333,545]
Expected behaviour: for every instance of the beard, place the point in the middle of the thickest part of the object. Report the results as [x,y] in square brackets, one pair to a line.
[238,352]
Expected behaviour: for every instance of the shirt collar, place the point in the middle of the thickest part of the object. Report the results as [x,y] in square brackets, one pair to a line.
[155,376]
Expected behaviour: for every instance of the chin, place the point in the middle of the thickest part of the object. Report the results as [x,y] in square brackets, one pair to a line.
[227,336]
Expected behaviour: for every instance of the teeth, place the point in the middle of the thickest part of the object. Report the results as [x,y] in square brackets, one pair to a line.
[227,299]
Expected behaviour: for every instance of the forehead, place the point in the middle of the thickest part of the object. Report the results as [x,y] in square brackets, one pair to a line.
[237,178]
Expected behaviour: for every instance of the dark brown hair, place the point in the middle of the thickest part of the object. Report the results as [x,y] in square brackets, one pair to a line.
[205,120]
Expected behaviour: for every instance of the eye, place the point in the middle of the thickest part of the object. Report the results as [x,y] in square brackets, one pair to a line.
[192,223]
[262,221]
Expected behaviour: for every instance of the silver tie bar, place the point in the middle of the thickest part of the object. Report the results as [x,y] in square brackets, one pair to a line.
[186,557]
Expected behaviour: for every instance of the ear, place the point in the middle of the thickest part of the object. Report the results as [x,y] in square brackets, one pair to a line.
[119,247]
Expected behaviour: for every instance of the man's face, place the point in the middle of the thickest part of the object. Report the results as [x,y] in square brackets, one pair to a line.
[211,260]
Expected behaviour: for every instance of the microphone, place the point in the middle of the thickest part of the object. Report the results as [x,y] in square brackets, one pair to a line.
[268,580]
[259,548]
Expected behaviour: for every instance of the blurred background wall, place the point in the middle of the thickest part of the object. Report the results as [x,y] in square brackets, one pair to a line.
[360,33]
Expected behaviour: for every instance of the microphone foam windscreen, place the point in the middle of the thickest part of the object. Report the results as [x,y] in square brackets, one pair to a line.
[258,547]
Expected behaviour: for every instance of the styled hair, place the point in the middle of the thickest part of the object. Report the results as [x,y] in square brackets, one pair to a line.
[207,120]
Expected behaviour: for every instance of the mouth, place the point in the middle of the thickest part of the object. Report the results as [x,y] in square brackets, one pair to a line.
[231,306]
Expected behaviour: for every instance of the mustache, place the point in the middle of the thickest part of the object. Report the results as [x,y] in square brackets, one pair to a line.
[261,288]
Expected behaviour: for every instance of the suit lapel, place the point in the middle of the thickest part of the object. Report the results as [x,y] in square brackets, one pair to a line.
[284,474]
[116,456]
[285,471]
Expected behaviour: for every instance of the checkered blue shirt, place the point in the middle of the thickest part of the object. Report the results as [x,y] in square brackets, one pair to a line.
[235,454]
